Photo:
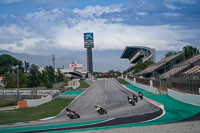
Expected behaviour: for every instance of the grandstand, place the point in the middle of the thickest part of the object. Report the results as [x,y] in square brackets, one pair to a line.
[162,66]
[136,54]
[193,70]
[182,67]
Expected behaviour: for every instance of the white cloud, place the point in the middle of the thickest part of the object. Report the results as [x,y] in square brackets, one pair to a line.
[10,1]
[106,36]
[142,13]
[117,36]
[172,6]
[172,14]
[14,33]
[182,1]
[45,16]
[91,11]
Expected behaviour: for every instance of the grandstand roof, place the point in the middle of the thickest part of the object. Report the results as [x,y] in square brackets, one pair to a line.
[138,53]
[130,50]
[193,59]
[159,64]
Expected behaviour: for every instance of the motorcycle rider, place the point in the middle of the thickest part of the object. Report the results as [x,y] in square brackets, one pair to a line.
[100,109]
[70,112]
[135,97]
[97,107]
[140,95]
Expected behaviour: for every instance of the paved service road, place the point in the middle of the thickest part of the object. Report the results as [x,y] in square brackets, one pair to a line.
[107,93]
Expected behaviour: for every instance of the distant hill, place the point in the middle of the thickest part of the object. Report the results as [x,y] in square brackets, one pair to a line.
[102,61]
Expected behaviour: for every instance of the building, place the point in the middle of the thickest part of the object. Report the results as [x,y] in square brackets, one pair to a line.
[75,71]
[136,54]
[2,82]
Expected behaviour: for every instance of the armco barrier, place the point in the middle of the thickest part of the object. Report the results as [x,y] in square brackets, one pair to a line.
[37,102]
[185,97]
[144,87]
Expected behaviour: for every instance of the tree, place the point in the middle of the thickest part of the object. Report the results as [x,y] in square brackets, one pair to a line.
[7,63]
[170,53]
[26,66]
[11,80]
[141,66]
[190,51]
[34,80]
[60,77]
[50,73]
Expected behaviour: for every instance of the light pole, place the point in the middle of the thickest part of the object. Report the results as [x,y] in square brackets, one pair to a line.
[18,83]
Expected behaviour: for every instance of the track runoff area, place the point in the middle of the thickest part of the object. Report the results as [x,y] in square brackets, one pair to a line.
[154,109]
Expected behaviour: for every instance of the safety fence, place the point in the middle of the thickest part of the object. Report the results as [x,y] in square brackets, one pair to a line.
[186,84]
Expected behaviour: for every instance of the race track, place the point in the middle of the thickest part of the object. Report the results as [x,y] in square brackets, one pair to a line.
[105,92]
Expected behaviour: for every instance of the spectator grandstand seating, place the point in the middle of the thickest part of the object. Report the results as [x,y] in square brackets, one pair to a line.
[193,70]
[162,66]
[174,71]
[181,67]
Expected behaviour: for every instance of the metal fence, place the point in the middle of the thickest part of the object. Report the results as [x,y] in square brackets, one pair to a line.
[182,83]
[143,81]
[186,83]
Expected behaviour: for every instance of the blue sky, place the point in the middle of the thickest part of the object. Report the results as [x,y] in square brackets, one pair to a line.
[40,26]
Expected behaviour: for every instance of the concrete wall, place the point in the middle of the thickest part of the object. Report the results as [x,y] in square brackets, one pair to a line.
[185,97]
[74,83]
[37,102]
[144,87]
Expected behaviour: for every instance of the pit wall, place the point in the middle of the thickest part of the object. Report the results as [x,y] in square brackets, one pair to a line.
[144,87]
[184,97]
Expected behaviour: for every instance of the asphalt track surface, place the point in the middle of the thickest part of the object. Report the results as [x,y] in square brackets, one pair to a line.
[111,96]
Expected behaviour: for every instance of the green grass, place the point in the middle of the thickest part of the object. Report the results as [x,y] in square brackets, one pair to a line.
[83,85]
[34,113]
[122,81]
[4,103]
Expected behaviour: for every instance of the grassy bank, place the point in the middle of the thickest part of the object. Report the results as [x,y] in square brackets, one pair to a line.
[4,103]
[34,113]
[83,85]
[122,81]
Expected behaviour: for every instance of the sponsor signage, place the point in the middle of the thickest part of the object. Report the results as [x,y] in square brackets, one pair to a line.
[88,40]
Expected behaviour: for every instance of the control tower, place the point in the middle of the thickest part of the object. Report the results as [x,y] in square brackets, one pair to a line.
[89,44]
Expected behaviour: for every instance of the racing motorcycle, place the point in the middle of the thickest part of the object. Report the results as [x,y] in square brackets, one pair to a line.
[140,95]
[131,100]
[100,110]
[72,114]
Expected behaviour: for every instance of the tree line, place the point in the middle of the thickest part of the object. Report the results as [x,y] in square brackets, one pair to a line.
[29,75]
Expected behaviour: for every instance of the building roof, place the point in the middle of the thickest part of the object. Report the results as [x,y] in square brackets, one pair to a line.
[129,51]
[159,64]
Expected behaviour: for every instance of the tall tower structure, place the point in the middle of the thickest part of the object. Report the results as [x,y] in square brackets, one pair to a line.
[53,59]
[89,44]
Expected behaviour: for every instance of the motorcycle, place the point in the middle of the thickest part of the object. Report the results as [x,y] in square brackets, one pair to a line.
[131,101]
[140,95]
[100,110]
[135,98]
[72,114]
